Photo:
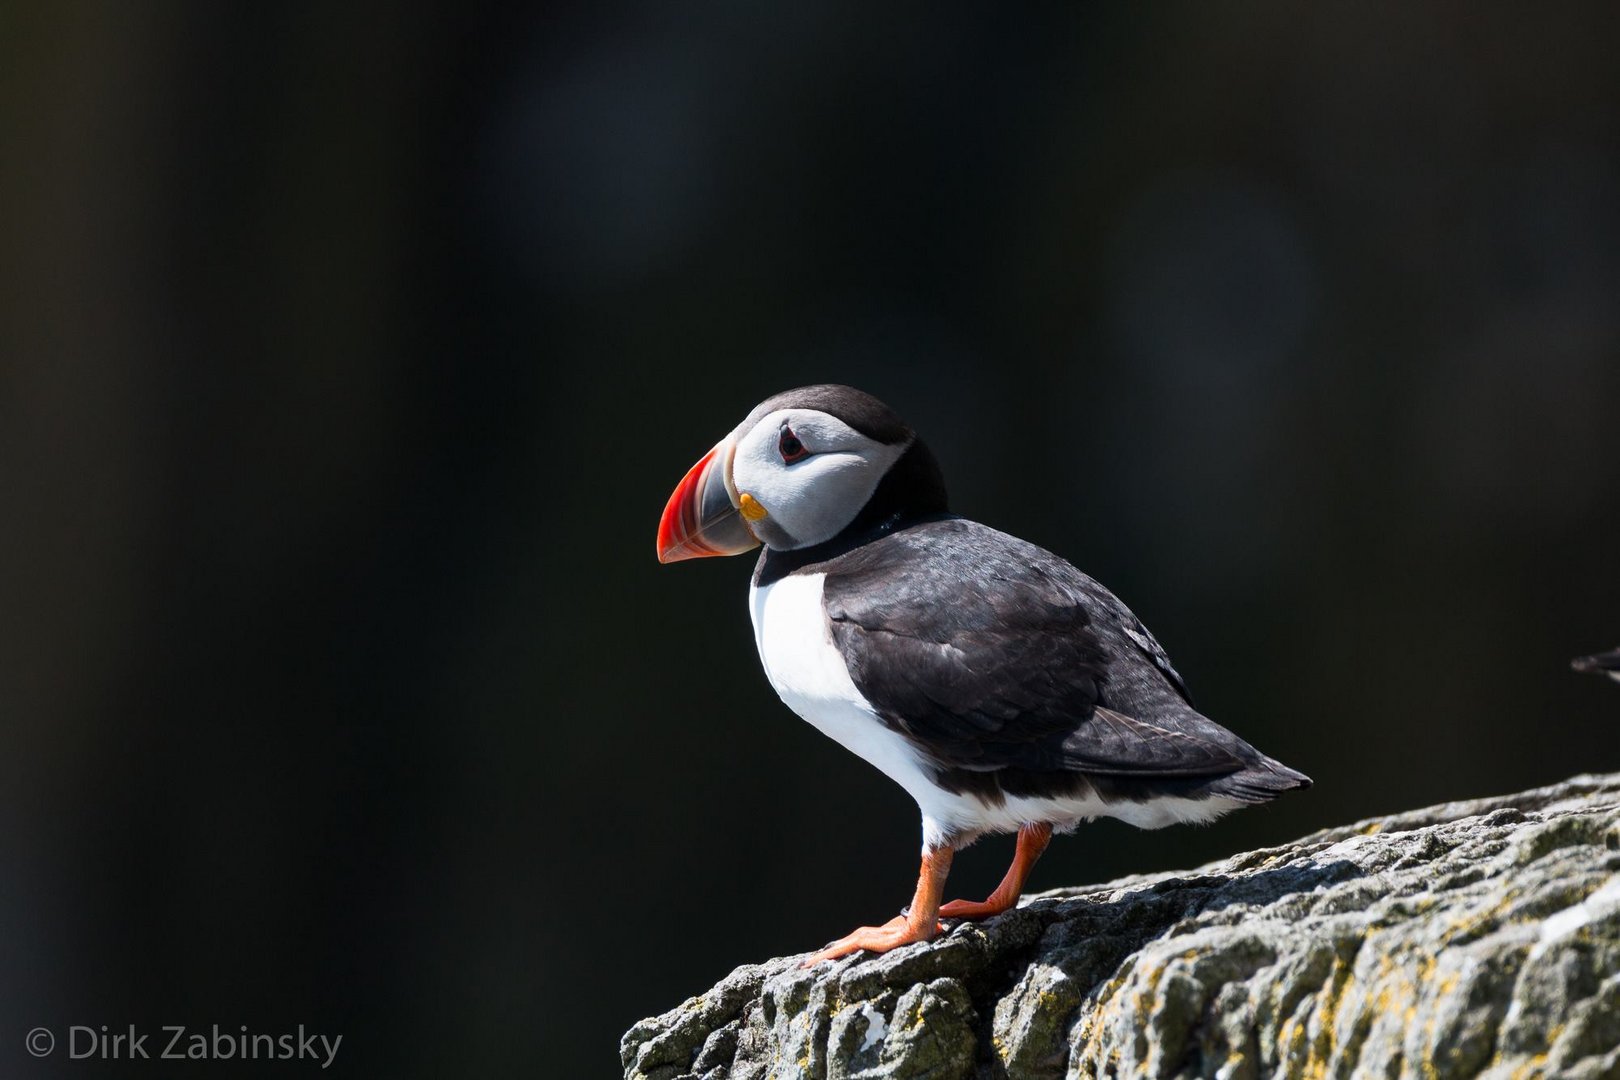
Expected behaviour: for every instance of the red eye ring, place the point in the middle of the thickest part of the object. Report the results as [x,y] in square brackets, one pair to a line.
[789,446]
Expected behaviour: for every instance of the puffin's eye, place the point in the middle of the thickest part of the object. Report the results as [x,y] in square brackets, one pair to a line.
[789,446]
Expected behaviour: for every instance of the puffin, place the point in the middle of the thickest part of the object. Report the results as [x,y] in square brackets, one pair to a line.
[1607,663]
[1003,689]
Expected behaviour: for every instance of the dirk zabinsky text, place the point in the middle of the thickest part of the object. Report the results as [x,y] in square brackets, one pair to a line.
[182,1042]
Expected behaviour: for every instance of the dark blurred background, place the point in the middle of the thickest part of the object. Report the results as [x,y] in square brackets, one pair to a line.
[349,355]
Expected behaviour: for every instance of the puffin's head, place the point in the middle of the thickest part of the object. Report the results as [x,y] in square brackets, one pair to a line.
[804,466]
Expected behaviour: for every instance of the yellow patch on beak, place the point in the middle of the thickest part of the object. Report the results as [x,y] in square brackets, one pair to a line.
[751,510]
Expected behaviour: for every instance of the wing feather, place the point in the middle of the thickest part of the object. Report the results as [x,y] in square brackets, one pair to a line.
[988,653]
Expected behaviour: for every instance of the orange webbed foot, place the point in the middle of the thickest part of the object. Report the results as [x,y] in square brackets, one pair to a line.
[896,932]
[919,923]
[1032,840]
[976,909]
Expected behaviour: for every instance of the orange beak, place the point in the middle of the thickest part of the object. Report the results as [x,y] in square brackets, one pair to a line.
[701,518]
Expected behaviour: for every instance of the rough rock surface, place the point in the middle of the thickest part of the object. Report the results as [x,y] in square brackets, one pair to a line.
[1474,938]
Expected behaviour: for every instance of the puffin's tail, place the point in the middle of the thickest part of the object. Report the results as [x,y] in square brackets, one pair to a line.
[1261,782]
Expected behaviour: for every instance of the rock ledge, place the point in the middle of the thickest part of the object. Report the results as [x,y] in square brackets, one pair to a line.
[1473,938]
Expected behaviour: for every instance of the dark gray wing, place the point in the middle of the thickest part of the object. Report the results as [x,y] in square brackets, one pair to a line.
[989,653]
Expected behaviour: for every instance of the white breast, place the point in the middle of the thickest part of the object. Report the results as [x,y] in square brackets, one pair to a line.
[808,672]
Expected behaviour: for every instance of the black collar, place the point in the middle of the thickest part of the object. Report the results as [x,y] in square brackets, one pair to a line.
[773,566]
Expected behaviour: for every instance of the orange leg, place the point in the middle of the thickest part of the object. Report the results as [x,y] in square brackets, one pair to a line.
[1032,840]
[921,923]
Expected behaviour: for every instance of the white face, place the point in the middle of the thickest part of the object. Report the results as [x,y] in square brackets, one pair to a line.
[810,471]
